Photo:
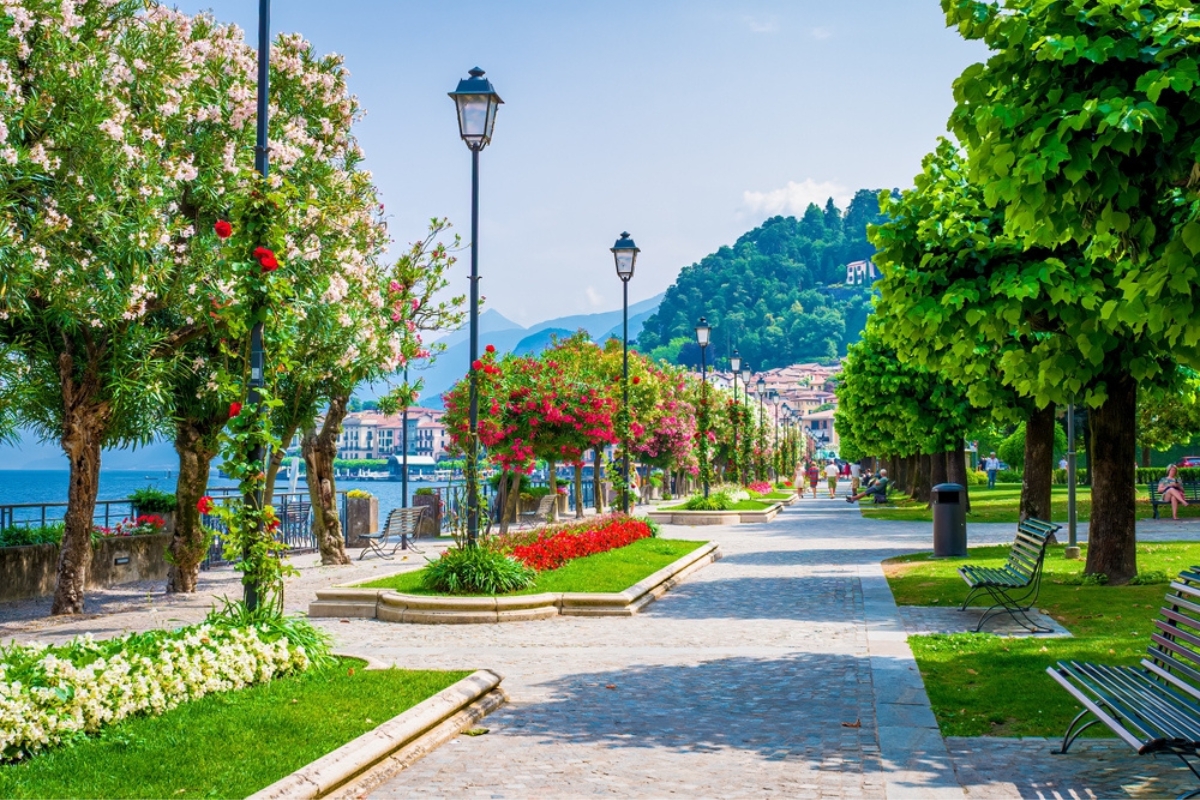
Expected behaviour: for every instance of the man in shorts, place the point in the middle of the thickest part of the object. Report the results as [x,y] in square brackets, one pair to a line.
[814,477]
[831,473]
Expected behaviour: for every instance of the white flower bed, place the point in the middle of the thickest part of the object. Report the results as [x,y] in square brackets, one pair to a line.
[48,694]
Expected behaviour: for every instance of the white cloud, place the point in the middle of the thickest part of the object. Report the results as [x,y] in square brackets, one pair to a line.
[795,197]
[594,298]
[821,33]
[761,25]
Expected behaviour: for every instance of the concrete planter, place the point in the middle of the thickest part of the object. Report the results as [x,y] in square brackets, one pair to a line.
[715,517]
[30,571]
[362,518]
[431,520]
[389,606]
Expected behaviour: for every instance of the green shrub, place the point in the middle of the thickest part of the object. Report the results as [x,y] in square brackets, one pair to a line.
[477,570]
[1149,578]
[1006,476]
[976,478]
[1059,477]
[18,536]
[717,501]
[424,491]
[152,501]
[535,492]
[362,494]
[652,525]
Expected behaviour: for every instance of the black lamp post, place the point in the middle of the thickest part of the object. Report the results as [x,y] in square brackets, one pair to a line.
[735,363]
[746,374]
[404,447]
[477,103]
[778,450]
[625,255]
[762,426]
[702,334]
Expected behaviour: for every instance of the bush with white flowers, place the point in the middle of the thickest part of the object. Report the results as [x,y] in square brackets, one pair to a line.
[54,694]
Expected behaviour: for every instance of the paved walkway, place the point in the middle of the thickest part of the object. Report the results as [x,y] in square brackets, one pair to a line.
[782,669]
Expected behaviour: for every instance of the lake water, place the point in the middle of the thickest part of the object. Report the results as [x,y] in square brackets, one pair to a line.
[50,486]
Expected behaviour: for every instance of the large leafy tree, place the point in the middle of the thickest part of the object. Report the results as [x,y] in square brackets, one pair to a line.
[1082,126]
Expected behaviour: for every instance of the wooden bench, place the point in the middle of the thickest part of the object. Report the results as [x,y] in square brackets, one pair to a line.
[1014,587]
[401,525]
[1154,707]
[1191,492]
[543,512]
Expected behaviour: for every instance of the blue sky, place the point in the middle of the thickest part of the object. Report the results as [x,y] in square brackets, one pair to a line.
[684,122]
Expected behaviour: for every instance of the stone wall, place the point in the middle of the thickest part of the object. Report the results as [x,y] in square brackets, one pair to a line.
[30,571]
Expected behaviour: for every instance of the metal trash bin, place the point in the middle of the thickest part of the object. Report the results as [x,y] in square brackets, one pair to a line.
[949,520]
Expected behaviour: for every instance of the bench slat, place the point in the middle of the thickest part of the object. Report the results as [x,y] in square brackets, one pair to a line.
[1080,683]
[1159,706]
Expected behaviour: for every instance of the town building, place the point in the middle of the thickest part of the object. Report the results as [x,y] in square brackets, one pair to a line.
[370,434]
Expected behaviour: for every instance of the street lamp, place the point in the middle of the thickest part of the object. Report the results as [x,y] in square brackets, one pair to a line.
[762,426]
[702,334]
[625,256]
[735,363]
[477,103]
[746,461]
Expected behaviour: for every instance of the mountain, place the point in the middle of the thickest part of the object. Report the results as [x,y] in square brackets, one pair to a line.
[509,337]
[29,453]
[778,294]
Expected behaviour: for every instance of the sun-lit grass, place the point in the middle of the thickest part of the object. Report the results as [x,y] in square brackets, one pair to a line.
[983,684]
[230,744]
[1003,504]
[740,505]
[613,571]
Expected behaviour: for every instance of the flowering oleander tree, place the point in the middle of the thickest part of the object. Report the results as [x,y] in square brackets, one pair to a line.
[108,121]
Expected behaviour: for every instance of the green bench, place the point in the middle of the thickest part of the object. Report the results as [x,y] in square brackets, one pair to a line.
[1014,587]
[1191,491]
[1153,707]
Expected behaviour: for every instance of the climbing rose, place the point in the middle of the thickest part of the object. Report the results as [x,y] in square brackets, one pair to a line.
[205,505]
[636,379]
[476,364]
[491,348]
[235,408]
[224,229]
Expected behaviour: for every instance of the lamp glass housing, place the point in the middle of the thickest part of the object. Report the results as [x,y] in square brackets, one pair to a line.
[702,332]
[625,256]
[477,103]
[746,374]
[762,385]
[735,362]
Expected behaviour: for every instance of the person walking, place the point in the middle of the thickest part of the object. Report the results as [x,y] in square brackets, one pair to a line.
[992,465]
[814,477]
[831,473]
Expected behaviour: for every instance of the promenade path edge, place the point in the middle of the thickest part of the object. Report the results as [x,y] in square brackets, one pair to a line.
[783,668]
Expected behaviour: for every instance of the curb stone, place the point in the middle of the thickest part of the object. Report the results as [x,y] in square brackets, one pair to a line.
[389,606]
[407,736]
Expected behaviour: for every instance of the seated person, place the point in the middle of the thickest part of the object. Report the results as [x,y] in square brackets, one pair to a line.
[876,488]
[1171,489]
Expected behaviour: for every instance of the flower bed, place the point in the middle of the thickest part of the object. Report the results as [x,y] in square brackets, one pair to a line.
[761,487]
[554,547]
[52,694]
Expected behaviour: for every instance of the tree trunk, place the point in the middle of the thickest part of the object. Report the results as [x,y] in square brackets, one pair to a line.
[922,487]
[320,449]
[1112,534]
[579,490]
[83,431]
[599,487]
[1146,453]
[276,462]
[956,472]
[196,445]
[937,468]
[512,499]
[552,477]
[1039,464]
[910,464]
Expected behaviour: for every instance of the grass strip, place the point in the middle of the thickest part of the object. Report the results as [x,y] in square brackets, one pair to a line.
[981,684]
[1003,504]
[230,744]
[613,571]
[740,505]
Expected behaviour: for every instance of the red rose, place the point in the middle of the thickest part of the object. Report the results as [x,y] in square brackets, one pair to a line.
[636,379]
[223,229]
[268,263]
[476,364]
[491,348]
[205,505]
[235,408]
[260,252]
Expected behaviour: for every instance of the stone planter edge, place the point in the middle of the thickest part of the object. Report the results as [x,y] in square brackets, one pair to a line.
[389,606]
[715,517]
[395,744]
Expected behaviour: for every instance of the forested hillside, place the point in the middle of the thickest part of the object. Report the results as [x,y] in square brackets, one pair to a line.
[778,294]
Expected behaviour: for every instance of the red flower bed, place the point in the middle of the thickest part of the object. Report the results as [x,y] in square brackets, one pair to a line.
[556,547]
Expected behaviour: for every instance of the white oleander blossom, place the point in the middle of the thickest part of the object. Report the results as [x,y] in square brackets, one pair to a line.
[60,692]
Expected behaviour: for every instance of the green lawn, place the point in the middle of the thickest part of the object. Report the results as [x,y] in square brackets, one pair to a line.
[982,684]
[614,571]
[1003,503]
[230,744]
[740,505]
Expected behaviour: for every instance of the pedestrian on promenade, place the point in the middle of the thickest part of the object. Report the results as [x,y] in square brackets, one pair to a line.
[814,477]
[992,465]
[831,473]
[854,482]
[877,489]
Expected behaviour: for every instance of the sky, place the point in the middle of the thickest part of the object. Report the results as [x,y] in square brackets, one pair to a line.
[685,122]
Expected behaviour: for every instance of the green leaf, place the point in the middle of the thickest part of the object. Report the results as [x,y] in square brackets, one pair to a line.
[1191,236]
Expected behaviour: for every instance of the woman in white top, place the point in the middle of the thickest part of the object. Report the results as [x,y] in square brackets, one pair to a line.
[831,472]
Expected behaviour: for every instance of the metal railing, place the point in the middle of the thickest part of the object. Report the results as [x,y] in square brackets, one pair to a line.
[294,511]
[453,501]
[28,515]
